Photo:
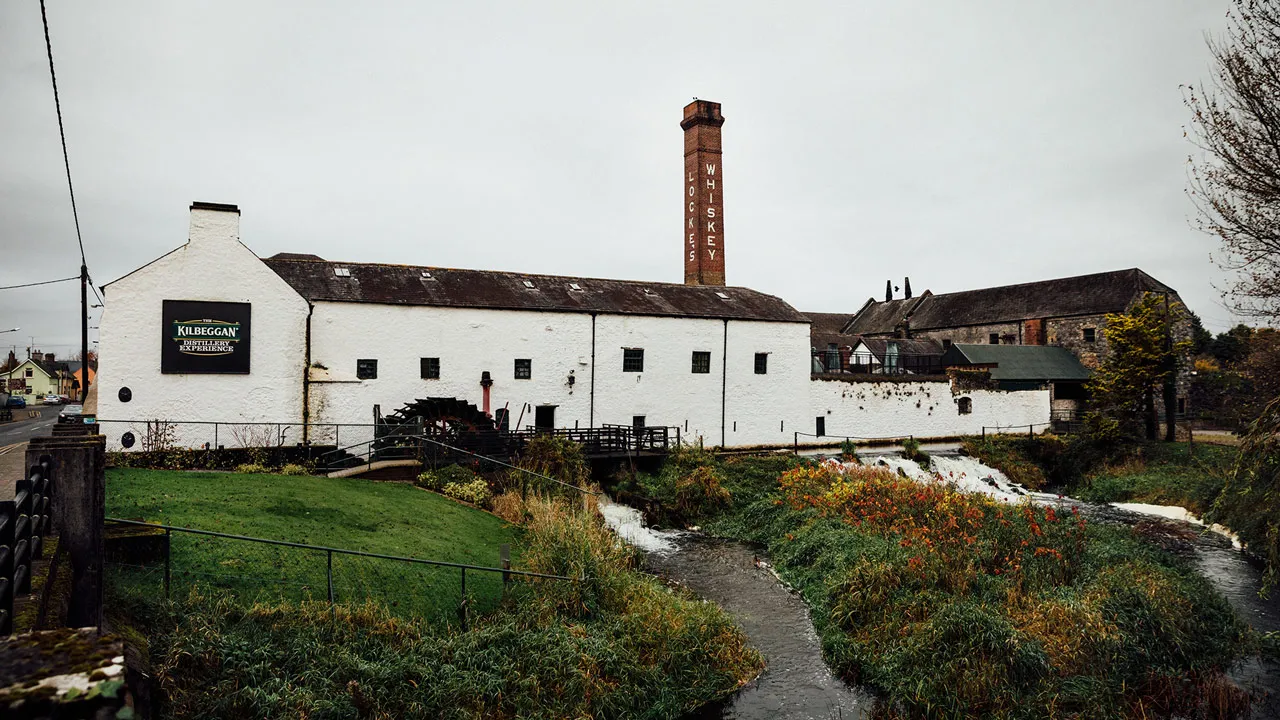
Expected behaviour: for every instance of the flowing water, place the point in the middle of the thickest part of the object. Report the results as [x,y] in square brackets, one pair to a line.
[797,683]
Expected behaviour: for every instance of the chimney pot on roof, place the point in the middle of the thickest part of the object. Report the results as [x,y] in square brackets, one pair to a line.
[888,290]
[906,287]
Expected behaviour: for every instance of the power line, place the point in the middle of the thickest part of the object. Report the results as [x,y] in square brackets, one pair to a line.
[57,103]
[46,282]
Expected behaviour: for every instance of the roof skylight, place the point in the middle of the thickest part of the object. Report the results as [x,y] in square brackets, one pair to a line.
[342,272]
[529,284]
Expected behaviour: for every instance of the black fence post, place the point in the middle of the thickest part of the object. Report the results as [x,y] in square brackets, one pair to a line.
[168,552]
[504,559]
[329,572]
[462,606]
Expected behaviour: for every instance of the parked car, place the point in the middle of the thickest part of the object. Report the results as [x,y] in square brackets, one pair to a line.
[71,414]
[17,401]
[65,399]
[52,399]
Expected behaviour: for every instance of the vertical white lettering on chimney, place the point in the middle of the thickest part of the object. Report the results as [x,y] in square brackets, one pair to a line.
[711,226]
[691,222]
[711,240]
[713,253]
[711,169]
[691,206]
[711,212]
[711,184]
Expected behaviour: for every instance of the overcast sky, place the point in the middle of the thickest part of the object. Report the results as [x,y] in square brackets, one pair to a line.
[963,144]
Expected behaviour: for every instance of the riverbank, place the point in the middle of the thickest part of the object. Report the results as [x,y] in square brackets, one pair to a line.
[941,602]
[615,644]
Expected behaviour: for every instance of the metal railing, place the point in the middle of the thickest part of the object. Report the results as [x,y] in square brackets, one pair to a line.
[24,521]
[1014,429]
[862,363]
[409,443]
[418,447]
[255,562]
[834,439]
[211,434]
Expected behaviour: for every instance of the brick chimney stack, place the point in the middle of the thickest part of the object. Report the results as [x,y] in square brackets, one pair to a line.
[703,194]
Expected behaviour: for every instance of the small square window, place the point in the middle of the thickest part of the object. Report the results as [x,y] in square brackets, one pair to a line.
[367,369]
[637,422]
[524,368]
[29,372]
[993,339]
[632,359]
[1090,335]
[762,363]
[430,368]
[701,362]
[426,275]
[965,405]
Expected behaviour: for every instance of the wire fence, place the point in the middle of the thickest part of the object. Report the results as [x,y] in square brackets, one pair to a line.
[148,558]
[830,439]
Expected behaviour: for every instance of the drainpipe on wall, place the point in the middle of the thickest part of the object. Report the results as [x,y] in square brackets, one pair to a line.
[591,419]
[486,382]
[306,382]
[724,380]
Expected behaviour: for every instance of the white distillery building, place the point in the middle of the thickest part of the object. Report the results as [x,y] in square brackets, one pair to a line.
[210,332]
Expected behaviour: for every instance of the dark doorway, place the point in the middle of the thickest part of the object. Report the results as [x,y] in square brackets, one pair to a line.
[502,418]
[821,426]
[544,417]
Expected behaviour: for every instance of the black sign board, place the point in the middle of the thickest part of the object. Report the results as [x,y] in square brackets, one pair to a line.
[205,337]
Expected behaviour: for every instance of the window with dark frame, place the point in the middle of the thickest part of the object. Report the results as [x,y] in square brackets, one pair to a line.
[637,422]
[431,368]
[701,362]
[632,359]
[524,368]
[367,369]
[993,339]
[762,363]
[1090,335]
[966,405]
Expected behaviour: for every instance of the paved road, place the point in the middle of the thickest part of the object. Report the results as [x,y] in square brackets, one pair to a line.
[25,429]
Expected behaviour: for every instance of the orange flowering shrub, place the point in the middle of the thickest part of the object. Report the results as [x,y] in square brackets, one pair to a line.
[951,535]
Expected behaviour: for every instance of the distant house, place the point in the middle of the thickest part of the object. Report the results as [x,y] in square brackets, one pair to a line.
[1027,367]
[34,378]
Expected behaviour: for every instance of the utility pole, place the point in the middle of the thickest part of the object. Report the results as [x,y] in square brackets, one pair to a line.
[84,332]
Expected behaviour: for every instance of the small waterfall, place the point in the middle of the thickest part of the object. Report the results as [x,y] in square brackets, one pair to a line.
[628,523]
[963,473]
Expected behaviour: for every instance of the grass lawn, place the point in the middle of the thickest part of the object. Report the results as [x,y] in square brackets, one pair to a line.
[385,518]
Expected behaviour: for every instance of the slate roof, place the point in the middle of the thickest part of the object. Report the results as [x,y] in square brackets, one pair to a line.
[1019,362]
[1108,292]
[825,328]
[315,279]
[906,346]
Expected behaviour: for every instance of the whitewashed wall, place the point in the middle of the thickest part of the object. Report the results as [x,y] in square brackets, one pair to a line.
[924,409]
[212,266]
[470,341]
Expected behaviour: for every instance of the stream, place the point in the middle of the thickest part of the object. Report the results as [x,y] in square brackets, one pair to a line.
[797,683]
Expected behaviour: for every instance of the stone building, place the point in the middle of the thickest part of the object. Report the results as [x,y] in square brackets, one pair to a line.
[1064,312]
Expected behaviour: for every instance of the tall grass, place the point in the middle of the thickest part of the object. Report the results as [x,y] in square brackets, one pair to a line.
[617,645]
[953,605]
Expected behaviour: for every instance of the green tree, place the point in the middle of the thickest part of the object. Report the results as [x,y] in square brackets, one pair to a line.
[1231,346]
[1235,183]
[1143,360]
[1255,485]
[1201,338]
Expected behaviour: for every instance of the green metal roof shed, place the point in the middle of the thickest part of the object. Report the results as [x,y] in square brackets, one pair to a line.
[1019,363]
